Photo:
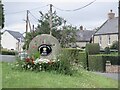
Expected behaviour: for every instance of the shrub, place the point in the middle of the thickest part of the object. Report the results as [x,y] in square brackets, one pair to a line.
[107,50]
[96,63]
[92,48]
[114,59]
[63,64]
[6,52]
[114,45]
[72,53]
[82,59]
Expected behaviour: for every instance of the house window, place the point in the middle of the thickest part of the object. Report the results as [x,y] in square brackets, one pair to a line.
[100,40]
[109,40]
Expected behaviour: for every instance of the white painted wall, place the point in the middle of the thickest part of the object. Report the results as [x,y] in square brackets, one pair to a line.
[8,41]
[105,39]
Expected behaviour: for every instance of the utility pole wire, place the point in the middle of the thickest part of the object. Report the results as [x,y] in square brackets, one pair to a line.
[33,16]
[75,9]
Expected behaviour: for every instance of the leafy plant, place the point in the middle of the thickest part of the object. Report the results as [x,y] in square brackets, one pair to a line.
[107,50]
[114,45]
[92,48]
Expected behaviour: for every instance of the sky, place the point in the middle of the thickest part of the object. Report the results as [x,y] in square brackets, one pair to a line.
[90,17]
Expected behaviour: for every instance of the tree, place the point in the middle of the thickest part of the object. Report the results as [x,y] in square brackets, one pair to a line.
[1,15]
[43,26]
[1,21]
[67,36]
[64,36]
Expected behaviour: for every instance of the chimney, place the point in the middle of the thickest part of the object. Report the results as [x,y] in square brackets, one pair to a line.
[111,15]
[81,27]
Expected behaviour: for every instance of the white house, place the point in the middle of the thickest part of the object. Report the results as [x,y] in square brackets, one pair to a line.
[12,40]
[108,32]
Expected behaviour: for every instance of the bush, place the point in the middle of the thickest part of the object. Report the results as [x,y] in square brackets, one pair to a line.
[77,56]
[82,59]
[72,53]
[96,63]
[5,52]
[114,59]
[92,48]
[63,64]
[114,45]
[107,50]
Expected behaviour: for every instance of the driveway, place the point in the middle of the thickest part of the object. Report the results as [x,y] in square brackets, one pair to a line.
[7,58]
[115,76]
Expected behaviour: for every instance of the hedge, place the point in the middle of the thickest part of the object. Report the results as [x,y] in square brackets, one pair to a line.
[72,52]
[76,56]
[82,59]
[92,48]
[114,59]
[3,52]
[98,62]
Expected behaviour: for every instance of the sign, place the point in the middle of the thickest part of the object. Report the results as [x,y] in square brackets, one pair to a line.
[45,49]
[47,45]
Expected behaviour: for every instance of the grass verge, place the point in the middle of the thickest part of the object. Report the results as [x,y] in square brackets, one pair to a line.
[28,79]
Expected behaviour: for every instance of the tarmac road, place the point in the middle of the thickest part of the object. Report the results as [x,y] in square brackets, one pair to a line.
[115,76]
[7,58]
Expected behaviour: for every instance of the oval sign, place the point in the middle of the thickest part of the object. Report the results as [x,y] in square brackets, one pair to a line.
[45,49]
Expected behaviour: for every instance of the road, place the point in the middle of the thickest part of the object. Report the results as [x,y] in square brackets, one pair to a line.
[115,76]
[7,58]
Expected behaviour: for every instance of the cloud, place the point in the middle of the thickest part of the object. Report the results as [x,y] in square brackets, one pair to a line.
[59,1]
[16,27]
[20,27]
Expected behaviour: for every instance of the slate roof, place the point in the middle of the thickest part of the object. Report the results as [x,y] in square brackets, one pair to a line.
[84,35]
[16,34]
[109,27]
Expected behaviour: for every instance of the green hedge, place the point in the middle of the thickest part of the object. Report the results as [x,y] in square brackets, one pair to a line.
[96,63]
[76,56]
[92,48]
[82,59]
[8,52]
[114,59]
[72,52]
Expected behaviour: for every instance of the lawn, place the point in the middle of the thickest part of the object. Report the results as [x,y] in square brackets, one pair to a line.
[29,79]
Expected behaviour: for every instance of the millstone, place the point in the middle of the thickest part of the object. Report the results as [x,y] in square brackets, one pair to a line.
[47,45]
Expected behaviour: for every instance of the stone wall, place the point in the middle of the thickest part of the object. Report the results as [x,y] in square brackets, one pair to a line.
[112,68]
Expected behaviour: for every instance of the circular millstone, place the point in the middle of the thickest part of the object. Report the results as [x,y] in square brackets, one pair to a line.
[47,45]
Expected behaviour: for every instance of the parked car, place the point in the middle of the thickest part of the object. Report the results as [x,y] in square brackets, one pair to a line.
[22,55]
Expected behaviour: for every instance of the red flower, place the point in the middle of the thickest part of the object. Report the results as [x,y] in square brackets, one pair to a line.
[32,60]
[27,59]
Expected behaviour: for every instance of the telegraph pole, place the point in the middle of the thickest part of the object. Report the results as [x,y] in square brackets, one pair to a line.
[27,21]
[119,28]
[33,31]
[50,22]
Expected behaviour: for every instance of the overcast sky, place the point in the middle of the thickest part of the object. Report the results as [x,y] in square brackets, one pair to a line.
[90,17]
